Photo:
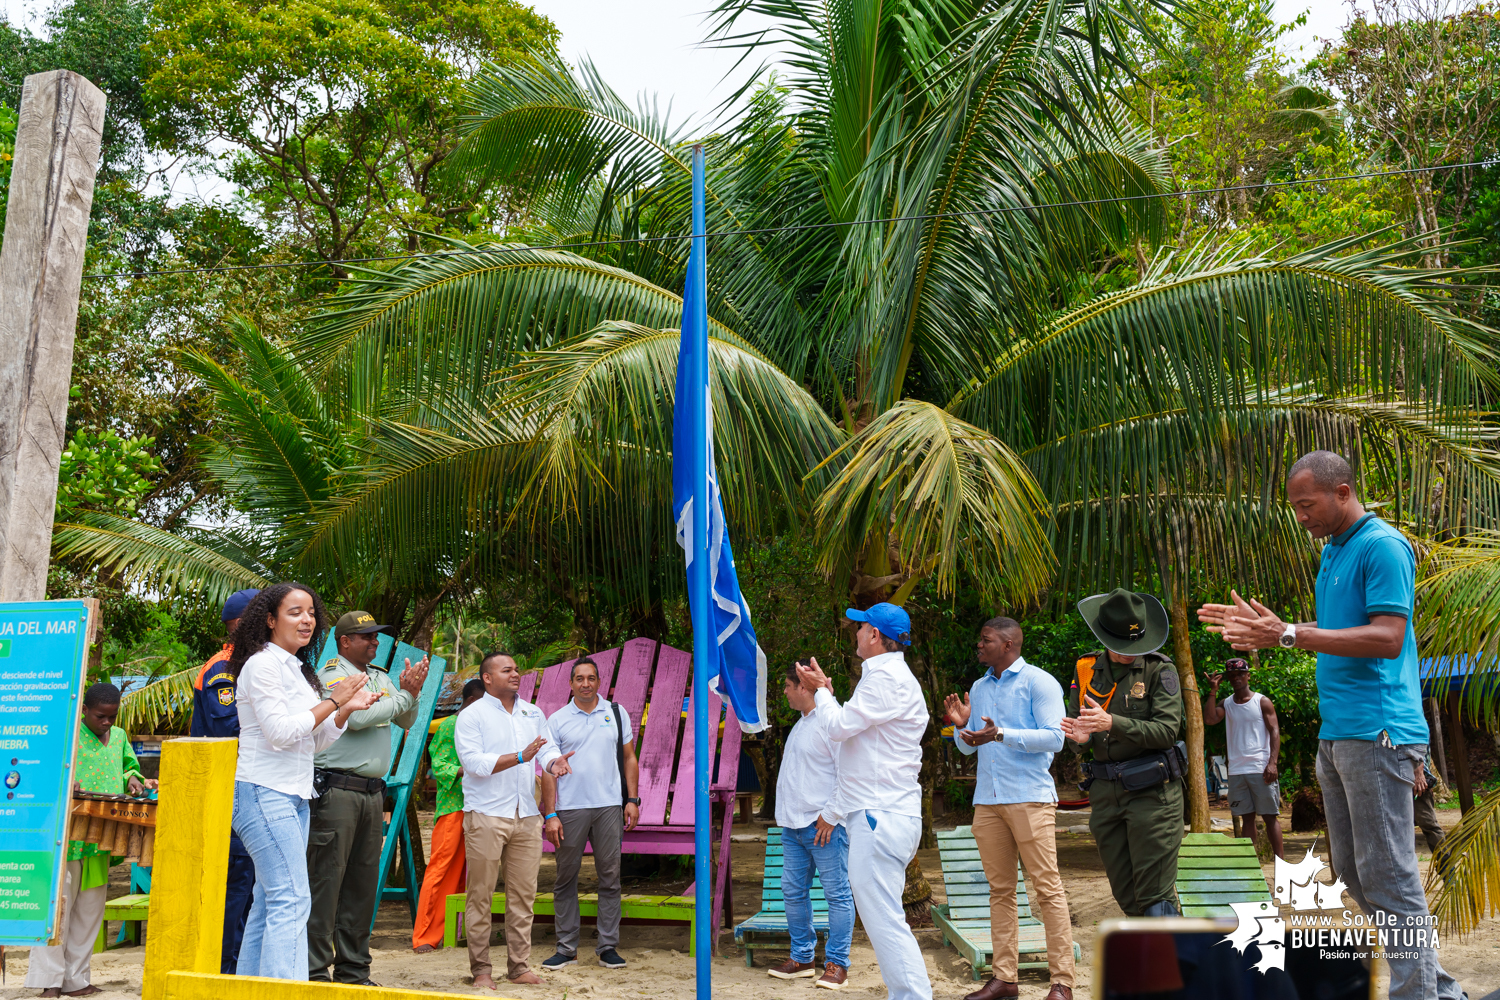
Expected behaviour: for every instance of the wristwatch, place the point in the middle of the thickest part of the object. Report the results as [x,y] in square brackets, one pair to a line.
[999,736]
[632,802]
[1288,637]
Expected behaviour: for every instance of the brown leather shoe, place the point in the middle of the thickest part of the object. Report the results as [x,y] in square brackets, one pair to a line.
[834,976]
[994,989]
[792,969]
[1060,992]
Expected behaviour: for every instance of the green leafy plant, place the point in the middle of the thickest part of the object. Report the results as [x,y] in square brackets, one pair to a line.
[101,471]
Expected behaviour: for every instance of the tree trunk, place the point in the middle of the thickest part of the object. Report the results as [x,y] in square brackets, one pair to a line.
[1182,653]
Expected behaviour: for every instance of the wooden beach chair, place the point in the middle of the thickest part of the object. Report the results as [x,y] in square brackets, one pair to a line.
[1214,870]
[767,929]
[965,918]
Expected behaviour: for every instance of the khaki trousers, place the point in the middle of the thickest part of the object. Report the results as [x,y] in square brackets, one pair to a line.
[1026,828]
[492,843]
[65,965]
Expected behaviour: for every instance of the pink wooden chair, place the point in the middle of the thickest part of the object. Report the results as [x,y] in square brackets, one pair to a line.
[650,678]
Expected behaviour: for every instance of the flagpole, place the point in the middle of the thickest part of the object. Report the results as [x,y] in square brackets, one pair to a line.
[704,647]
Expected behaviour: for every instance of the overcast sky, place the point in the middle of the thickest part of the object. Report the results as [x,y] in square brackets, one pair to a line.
[652,47]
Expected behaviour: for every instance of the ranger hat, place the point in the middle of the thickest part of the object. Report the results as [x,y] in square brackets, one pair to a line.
[1127,623]
[359,623]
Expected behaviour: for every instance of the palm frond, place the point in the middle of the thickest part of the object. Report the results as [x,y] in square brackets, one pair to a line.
[1458,615]
[472,313]
[147,556]
[1464,878]
[142,708]
[951,497]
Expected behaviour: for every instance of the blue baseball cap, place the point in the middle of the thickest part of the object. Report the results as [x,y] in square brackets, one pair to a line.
[891,621]
[237,603]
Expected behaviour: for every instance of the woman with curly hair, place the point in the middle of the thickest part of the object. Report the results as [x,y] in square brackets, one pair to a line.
[286,716]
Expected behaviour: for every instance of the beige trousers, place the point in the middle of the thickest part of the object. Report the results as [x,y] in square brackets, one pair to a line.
[65,965]
[1026,828]
[493,843]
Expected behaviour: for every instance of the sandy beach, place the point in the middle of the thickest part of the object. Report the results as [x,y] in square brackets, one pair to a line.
[660,965]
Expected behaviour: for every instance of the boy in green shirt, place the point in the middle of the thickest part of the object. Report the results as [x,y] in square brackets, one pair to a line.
[445,869]
[104,764]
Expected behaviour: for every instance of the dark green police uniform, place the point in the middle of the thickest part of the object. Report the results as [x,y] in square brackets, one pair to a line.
[1138,832]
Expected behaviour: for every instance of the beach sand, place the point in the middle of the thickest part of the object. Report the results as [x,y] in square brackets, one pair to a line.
[660,965]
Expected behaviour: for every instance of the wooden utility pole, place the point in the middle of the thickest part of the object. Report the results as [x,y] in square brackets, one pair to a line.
[41,270]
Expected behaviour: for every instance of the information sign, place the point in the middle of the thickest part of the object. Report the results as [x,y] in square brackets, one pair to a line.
[43,661]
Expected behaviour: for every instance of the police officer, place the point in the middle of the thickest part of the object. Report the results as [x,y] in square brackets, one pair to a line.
[215,714]
[1126,705]
[346,822]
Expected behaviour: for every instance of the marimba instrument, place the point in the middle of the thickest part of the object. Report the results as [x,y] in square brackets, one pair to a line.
[120,824]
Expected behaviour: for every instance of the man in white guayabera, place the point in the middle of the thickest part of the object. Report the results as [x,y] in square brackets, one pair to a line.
[880,735]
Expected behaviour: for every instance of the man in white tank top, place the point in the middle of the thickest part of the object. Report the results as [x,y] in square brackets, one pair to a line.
[1254,738]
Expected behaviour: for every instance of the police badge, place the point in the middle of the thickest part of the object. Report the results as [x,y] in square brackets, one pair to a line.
[1139,690]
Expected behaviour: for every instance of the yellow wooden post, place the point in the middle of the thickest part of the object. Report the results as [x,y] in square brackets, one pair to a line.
[185,932]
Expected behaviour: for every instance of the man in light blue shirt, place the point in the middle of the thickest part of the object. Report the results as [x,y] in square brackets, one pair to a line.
[1374,738]
[1012,718]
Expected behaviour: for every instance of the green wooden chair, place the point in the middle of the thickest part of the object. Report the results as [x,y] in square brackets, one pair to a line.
[965,918]
[672,909]
[767,929]
[131,911]
[1214,870]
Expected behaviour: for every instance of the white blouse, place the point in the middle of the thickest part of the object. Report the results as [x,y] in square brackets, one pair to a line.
[278,734]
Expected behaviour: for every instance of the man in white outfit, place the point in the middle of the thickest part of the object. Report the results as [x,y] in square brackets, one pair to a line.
[880,735]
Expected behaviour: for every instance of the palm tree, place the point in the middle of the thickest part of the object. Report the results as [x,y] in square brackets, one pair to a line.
[909,351]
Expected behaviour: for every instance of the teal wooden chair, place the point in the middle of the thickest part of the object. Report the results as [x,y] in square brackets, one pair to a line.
[965,918]
[1214,870]
[767,929]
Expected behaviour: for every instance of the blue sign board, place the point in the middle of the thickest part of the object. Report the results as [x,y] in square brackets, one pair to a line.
[43,660]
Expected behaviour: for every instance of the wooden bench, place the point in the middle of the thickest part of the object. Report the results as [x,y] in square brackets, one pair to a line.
[131,911]
[965,918]
[675,909]
[767,929]
[1214,870]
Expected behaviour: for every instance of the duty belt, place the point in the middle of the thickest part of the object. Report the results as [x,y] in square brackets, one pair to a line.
[348,782]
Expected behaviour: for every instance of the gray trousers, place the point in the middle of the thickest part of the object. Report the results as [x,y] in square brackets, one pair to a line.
[65,965]
[1367,798]
[605,828]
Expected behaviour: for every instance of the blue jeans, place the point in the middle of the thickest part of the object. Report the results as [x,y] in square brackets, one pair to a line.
[799,858]
[273,827]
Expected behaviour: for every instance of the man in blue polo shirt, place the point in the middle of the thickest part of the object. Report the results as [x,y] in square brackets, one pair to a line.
[1012,717]
[1374,736]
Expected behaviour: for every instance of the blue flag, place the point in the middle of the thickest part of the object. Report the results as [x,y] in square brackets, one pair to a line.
[739,675]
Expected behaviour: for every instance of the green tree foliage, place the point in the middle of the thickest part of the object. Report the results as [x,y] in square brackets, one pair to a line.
[337,114]
[1419,84]
[1219,92]
[105,472]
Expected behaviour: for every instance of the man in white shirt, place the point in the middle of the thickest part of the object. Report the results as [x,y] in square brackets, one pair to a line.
[1253,734]
[805,786]
[880,731]
[498,738]
[596,803]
